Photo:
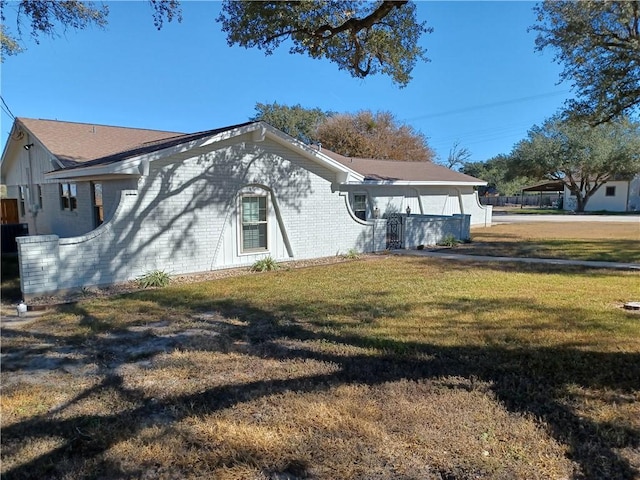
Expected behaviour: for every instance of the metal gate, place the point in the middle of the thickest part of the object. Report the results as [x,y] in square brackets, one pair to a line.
[394,231]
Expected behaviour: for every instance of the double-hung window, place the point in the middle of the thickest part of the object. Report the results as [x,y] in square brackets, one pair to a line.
[360,206]
[68,196]
[254,223]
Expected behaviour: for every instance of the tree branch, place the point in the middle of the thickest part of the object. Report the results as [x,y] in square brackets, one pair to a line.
[355,25]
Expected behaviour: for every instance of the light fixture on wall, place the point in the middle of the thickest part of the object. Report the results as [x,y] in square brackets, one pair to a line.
[28,146]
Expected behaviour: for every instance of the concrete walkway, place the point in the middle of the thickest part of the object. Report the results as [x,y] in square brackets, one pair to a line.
[486,258]
[9,316]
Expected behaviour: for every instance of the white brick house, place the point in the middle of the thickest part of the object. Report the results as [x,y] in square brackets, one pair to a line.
[108,204]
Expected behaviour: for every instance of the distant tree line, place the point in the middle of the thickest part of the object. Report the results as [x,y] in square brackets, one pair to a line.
[566,149]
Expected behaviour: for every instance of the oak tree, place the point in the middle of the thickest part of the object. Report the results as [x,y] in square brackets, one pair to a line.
[598,43]
[48,17]
[582,156]
[497,174]
[360,37]
[297,121]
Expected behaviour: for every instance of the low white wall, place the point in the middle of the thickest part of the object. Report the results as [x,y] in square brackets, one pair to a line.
[433,229]
[481,215]
[49,264]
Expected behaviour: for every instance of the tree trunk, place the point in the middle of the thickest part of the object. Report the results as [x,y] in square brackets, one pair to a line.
[581,202]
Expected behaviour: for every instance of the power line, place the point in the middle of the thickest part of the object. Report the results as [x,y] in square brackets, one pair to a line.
[480,136]
[6,109]
[488,105]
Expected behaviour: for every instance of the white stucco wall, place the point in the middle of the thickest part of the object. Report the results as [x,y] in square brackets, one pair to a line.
[600,201]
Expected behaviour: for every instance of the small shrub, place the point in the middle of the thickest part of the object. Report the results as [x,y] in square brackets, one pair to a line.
[156,278]
[448,241]
[352,254]
[265,265]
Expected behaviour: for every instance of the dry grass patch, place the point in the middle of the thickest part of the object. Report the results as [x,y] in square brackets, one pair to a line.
[389,367]
[609,242]
[394,430]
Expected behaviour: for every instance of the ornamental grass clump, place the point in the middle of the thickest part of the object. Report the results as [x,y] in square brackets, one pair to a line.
[352,254]
[265,265]
[156,278]
[448,241]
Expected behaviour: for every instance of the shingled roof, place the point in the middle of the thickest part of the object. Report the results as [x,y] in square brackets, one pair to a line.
[78,145]
[402,171]
[73,143]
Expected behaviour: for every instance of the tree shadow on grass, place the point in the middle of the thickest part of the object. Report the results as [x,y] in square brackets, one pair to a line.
[606,250]
[534,381]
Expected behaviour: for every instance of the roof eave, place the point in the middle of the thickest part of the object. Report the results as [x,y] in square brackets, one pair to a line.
[426,183]
[138,165]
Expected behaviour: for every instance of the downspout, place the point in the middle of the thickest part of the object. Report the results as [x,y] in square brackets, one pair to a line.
[462,215]
[33,208]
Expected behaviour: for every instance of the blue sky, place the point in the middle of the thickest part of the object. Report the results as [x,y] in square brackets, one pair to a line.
[484,87]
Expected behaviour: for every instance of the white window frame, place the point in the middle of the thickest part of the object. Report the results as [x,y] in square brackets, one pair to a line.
[242,224]
[68,196]
[366,205]
[610,188]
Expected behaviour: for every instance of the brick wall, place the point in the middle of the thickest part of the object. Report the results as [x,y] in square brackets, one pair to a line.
[184,218]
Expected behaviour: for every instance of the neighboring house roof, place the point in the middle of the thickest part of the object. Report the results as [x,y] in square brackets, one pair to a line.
[547,186]
[74,143]
[386,171]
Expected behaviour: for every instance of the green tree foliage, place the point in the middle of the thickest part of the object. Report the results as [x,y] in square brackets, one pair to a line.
[297,121]
[584,157]
[361,37]
[598,42]
[48,17]
[498,176]
[373,135]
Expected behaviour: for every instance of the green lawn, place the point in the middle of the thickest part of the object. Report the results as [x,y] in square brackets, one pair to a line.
[607,242]
[385,367]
